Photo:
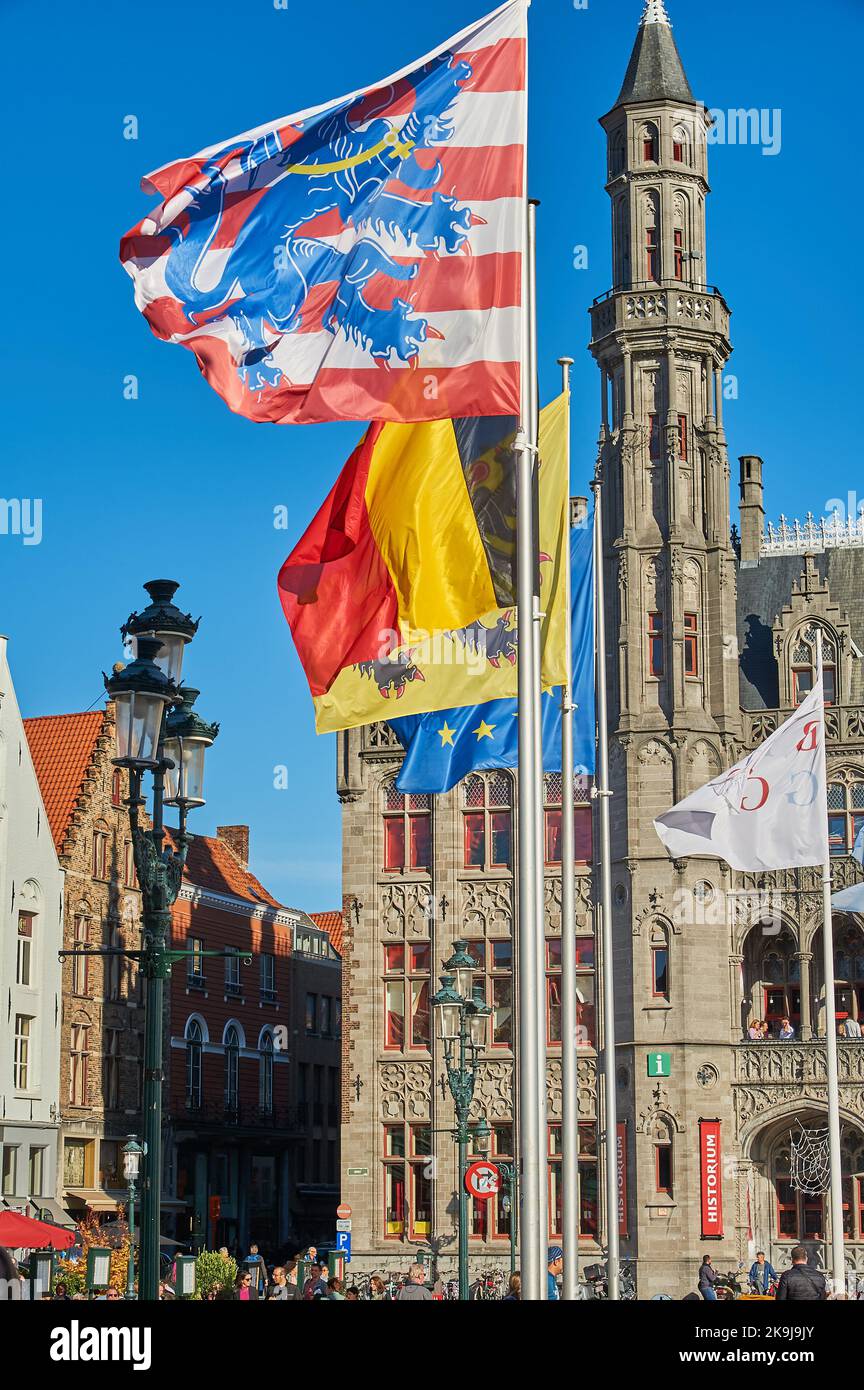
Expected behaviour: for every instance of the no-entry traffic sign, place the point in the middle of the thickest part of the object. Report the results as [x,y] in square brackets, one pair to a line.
[343,1211]
[483,1179]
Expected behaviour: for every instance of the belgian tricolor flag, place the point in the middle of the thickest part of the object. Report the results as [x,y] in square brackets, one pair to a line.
[406,576]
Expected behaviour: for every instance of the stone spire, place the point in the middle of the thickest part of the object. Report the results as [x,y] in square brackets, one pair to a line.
[655,13]
[655,72]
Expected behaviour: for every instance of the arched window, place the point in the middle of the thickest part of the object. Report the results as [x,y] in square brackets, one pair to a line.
[621,245]
[194,1056]
[232,1069]
[848,974]
[664,1157]
[617,147]
[802,1216]
[552,818]
[80,963]
[652,238]
[100,851]
[680,221]
[804,663]
[681,145]
[774,973]
[487,821]
[265,1076]
[117,787]
[845,811]
[24,972]
[407,830]
[650,143]
[659,962]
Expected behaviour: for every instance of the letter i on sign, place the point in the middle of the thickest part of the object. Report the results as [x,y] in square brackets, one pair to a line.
[659,1063]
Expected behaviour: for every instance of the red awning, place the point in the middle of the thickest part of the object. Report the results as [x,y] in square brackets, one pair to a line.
[22,1232]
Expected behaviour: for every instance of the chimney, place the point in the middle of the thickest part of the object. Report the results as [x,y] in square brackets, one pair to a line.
[236,837]
[751,508]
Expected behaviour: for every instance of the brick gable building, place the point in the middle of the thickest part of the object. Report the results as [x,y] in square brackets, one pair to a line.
[101,1020]
[248,1065]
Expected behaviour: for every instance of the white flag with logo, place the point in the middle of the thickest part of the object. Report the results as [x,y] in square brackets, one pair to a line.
[770,811]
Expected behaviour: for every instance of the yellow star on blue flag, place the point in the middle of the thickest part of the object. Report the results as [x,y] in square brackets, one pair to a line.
[475,738]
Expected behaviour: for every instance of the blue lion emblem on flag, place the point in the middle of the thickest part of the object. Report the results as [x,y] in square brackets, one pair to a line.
[342,163]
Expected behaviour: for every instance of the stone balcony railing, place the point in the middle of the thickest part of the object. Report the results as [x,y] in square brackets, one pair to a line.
[668,304]
[797,1063]
[843,723]
[768,1076]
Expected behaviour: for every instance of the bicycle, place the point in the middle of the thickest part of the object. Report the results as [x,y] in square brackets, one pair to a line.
[489,1287]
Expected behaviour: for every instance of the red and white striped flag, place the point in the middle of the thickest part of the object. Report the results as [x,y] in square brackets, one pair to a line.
[362,259]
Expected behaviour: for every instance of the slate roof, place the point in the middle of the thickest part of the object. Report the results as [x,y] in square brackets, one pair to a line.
[655,71]
[764,589]
[62,747]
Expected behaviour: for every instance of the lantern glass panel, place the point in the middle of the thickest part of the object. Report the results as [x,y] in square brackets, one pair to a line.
[186,779]
[139,723]
[170,658]
[448,1021]
[131,1164]
[477,1029]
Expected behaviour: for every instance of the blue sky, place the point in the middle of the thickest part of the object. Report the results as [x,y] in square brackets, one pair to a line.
[172,484]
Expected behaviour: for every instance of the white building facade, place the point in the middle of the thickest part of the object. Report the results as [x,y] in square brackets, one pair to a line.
[31,925]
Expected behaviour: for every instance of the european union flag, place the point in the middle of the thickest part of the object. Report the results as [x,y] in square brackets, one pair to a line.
[443,747]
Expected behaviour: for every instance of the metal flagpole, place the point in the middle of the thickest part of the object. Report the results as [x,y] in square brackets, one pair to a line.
[569,1063]
[541,1117]
[603,793]
[531,1153]
[838,1259]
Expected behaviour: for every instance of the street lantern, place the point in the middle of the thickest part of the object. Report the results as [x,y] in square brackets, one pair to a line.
[140,692]
[478,1018]
[462,967]
[162,620]
[132,1156]
[448,1010]
[482,1137]
[187,738]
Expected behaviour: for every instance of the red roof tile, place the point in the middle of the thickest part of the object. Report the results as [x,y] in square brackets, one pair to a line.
[62,748]
[211,865]
[334,925]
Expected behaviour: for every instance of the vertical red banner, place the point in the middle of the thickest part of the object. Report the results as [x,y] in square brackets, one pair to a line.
[621,1165]
[711,1168]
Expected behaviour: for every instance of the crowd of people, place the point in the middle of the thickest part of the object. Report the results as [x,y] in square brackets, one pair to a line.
[282,1284]
[801,1283]
[760,1031]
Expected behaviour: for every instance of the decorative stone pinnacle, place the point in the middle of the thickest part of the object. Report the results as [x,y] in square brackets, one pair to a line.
[655,13]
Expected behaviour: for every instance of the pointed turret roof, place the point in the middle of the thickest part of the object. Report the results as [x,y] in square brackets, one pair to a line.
[655,71]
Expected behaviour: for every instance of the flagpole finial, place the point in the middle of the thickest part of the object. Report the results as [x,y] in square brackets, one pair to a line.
[655,13]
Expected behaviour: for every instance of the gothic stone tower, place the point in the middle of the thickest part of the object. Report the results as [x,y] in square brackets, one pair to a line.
[660,339]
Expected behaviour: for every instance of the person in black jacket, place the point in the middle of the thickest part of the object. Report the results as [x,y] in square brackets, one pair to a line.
[801,1284]
[707,1280]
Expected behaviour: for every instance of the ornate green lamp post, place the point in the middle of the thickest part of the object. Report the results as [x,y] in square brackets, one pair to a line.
[463,1017]
[132,1156]
[157,732]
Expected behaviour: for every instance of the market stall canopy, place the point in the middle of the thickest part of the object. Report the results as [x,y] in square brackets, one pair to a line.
[22,1232]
